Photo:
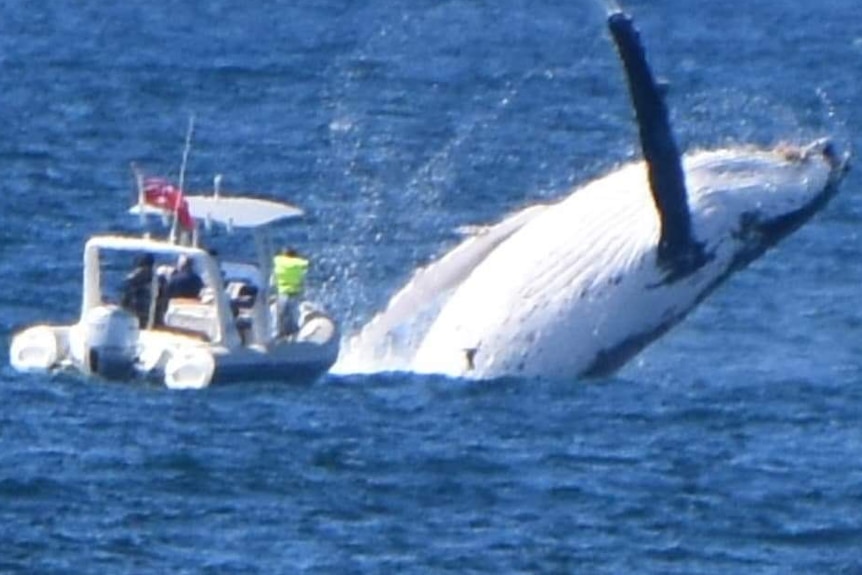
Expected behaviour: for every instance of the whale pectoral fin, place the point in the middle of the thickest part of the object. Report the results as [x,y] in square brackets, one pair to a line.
[678,252]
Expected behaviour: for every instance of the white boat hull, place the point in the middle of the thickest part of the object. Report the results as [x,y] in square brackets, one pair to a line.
[180,361]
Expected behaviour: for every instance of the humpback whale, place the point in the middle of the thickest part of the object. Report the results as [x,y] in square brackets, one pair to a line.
[576,288]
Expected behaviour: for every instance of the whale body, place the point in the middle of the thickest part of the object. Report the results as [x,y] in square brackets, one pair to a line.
[577,288]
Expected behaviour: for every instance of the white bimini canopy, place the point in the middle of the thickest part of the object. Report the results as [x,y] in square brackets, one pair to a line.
[240,212]
[232,212]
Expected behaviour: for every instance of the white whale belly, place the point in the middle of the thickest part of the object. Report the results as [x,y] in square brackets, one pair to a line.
[576,285]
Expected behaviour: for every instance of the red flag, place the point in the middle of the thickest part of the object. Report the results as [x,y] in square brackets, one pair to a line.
[163,194]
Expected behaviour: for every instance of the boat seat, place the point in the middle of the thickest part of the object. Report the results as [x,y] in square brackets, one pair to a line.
[192,315]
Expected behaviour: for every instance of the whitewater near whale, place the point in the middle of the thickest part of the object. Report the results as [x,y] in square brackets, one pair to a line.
[577,288]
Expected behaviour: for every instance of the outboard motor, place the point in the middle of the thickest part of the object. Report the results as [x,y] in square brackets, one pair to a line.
[111,341]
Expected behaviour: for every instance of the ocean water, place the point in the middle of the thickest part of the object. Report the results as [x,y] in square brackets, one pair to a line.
[732,445]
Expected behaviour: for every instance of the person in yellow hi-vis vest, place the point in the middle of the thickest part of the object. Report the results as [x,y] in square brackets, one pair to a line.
[288,271]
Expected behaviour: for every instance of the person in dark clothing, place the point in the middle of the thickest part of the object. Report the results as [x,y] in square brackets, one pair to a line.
[138,290]
[184,282]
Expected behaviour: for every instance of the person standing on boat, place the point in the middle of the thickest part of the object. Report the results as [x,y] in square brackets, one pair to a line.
[289,270]
[184,282]
[138,296]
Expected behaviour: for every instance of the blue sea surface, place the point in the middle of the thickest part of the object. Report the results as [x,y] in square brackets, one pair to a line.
[732,445]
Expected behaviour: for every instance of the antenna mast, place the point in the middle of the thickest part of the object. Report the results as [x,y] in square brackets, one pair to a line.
[186,149]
